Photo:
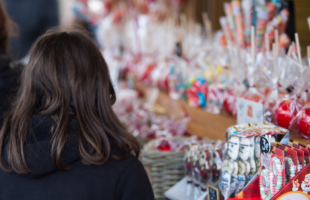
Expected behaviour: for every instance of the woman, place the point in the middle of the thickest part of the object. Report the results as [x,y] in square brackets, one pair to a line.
[9,71]
[61,138]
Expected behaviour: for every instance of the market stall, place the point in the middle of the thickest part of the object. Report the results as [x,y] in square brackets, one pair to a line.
[226,113]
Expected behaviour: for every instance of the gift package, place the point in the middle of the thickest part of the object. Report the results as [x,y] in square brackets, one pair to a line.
[242,161]
[203,163]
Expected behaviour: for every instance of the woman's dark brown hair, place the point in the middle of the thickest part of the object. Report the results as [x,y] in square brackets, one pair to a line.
[66,74]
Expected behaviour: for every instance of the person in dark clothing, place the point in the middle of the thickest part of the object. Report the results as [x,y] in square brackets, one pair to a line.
[61,139]
[33,17]
[9,70]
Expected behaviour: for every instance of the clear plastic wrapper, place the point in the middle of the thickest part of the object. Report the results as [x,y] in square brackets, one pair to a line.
[203,162]
[237,12]
[286,110]
[301,123]
[262,20]
[177,79]
[247,6]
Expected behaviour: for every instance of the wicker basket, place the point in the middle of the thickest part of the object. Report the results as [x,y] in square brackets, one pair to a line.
[142,141]
[164,168]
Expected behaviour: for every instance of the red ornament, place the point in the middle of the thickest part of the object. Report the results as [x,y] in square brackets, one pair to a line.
[303,123]
[229,103]
[164,146]
[286,111]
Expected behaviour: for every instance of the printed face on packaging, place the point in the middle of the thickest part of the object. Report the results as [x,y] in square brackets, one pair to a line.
[233,147]
[257,147]
[245,148]
[225,180]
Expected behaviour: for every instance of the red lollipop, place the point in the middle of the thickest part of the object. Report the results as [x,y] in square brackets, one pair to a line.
[303,123]
[286,111]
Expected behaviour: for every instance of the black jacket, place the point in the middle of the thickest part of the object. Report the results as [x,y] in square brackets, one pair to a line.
[117,179]
[9,81]
[33,18]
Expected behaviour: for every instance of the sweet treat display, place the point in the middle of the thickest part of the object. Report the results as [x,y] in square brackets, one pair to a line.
[145,44]
[203,162]
[243,150]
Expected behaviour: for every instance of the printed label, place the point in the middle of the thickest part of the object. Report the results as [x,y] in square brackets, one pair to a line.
[249,111]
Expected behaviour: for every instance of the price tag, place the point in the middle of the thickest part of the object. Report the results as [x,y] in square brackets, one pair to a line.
[249,111]
[213,193]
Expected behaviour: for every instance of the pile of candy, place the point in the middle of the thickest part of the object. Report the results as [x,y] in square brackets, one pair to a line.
[203,70]
[142,122]
[203,162]
[243,154]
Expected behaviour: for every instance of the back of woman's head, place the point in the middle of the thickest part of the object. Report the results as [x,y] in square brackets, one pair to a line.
[66,77]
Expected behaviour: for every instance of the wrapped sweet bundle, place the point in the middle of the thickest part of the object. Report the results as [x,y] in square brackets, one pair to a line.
[279,23]
[160,75]
[231,19]
[197,92]
[243,155]
[237,12]
[111,28]
[247,7]
[272,9]
[289,105]
[202,161]
[143,122]
[177,78]
[262,21]
[144,69]
[237,84]
[300,124]
[225,27]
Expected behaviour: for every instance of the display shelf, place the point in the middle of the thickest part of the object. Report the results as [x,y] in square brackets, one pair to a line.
[202,123]
[297,138]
